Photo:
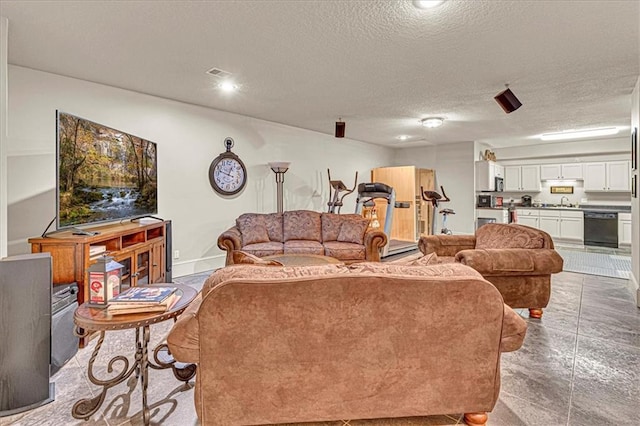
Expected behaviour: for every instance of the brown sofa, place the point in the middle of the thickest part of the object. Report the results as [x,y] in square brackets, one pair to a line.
[517,259]
[362,341]
[343,236]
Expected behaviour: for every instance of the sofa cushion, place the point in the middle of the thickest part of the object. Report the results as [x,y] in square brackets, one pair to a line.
[302,225]
[264,249]
[353,231]
[427,259]
[499,236]
[243,258]
[331,223]
[303,247]
[253,229]
[274,223]
[344,251]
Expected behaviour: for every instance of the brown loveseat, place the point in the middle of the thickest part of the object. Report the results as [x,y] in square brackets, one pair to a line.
[517,259]
[363,341]
[343,236]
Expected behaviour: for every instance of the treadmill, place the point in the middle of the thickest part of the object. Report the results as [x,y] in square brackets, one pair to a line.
[367,193]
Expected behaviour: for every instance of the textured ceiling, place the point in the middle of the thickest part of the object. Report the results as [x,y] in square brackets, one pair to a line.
[381,65]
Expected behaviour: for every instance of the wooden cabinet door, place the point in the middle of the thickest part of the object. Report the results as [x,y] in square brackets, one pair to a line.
[512,178]
[572,228]
[550,225]
[550,171]
[530,178]
[157,262]
[618,176]
[595,177]
[571,171]
[528,221]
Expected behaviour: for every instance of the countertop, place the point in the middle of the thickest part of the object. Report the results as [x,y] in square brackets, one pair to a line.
[592,208]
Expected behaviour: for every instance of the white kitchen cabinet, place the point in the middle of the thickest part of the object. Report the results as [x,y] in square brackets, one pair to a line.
[486,173]
[522,178]
[571,225]
[607,176]
[550,222]
[531,221]
[624,228]
[571,171]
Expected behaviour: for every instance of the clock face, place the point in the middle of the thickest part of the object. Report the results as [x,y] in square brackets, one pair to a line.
[227,175]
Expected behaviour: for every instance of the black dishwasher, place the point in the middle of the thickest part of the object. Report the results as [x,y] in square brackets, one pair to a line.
[601,229]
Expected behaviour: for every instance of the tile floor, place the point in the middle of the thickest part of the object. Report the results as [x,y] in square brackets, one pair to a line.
[579,365]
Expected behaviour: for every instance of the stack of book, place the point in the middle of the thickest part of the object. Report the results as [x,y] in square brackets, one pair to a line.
[143,299]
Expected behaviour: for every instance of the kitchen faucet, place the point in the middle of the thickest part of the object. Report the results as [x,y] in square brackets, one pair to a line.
[562,201]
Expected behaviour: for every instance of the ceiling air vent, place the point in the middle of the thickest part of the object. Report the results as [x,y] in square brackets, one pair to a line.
[217,72]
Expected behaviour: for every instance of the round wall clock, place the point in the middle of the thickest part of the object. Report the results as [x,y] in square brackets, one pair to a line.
[227,173]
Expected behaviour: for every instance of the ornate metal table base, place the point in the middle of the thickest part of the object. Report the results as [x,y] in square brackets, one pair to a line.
[85,408]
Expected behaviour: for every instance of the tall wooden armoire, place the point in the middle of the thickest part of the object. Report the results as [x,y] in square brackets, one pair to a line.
[416,220]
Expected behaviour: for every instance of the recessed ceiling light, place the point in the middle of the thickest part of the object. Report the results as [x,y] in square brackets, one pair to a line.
[228,86]
[576,134]
[403,137]
[426,4]
[432,122]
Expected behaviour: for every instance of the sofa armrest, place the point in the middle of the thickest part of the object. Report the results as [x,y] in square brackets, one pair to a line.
[509,261]
[230,240]
[374,241]
[184,338]
[514,329]
[446,245]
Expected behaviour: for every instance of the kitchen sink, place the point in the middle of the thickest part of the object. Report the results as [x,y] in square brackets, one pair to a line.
[558,206]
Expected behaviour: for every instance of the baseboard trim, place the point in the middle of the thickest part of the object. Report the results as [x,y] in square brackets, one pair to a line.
[189,267]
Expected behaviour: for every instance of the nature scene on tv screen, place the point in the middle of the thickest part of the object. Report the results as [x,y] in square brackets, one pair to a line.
[103,174]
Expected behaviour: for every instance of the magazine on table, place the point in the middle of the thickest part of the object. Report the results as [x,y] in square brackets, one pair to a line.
[134,308]
[143,294]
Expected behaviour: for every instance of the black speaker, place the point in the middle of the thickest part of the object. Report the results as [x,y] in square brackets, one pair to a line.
[340,128]
[508,101]
[168,257]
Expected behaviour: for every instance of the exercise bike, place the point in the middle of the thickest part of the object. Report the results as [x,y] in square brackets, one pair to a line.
[435,198]
[335,201]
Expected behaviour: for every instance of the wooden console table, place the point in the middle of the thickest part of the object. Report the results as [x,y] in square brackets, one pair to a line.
[139,247]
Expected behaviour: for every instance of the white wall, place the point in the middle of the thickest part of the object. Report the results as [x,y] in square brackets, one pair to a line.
[454,166]
[584,150]
[189,138]
[4,27]
[635,203]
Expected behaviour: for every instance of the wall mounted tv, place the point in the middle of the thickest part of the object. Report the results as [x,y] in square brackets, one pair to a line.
[103,174]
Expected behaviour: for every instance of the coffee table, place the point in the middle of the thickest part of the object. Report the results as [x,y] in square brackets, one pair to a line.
[303,259]
[90,319]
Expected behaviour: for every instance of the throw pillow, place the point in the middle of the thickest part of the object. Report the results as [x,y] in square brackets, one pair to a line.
[353,231]
[244,258]
[427,259]
[252,228]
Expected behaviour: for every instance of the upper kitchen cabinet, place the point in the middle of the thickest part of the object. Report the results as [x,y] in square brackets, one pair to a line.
[607,176]
[561,171]
[522,178]
[486,174]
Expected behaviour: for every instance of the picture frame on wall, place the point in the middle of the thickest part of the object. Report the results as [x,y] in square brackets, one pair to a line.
[634,149]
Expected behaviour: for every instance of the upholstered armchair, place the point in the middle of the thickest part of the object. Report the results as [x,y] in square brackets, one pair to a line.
[518,260]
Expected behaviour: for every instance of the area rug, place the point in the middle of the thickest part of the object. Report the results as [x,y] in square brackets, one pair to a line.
[606,265]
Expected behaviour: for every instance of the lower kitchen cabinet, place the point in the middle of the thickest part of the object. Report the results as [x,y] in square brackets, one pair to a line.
[624,228]
[563,224]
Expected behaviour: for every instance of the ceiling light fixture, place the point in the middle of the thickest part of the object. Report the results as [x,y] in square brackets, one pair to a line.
[228,86]
[403,137]
[432,122]
[427,4]
[577,134]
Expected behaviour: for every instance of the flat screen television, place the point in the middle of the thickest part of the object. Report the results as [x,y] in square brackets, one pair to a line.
[103,174]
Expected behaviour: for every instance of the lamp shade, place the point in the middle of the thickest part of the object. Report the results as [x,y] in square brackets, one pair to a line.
[279,166]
